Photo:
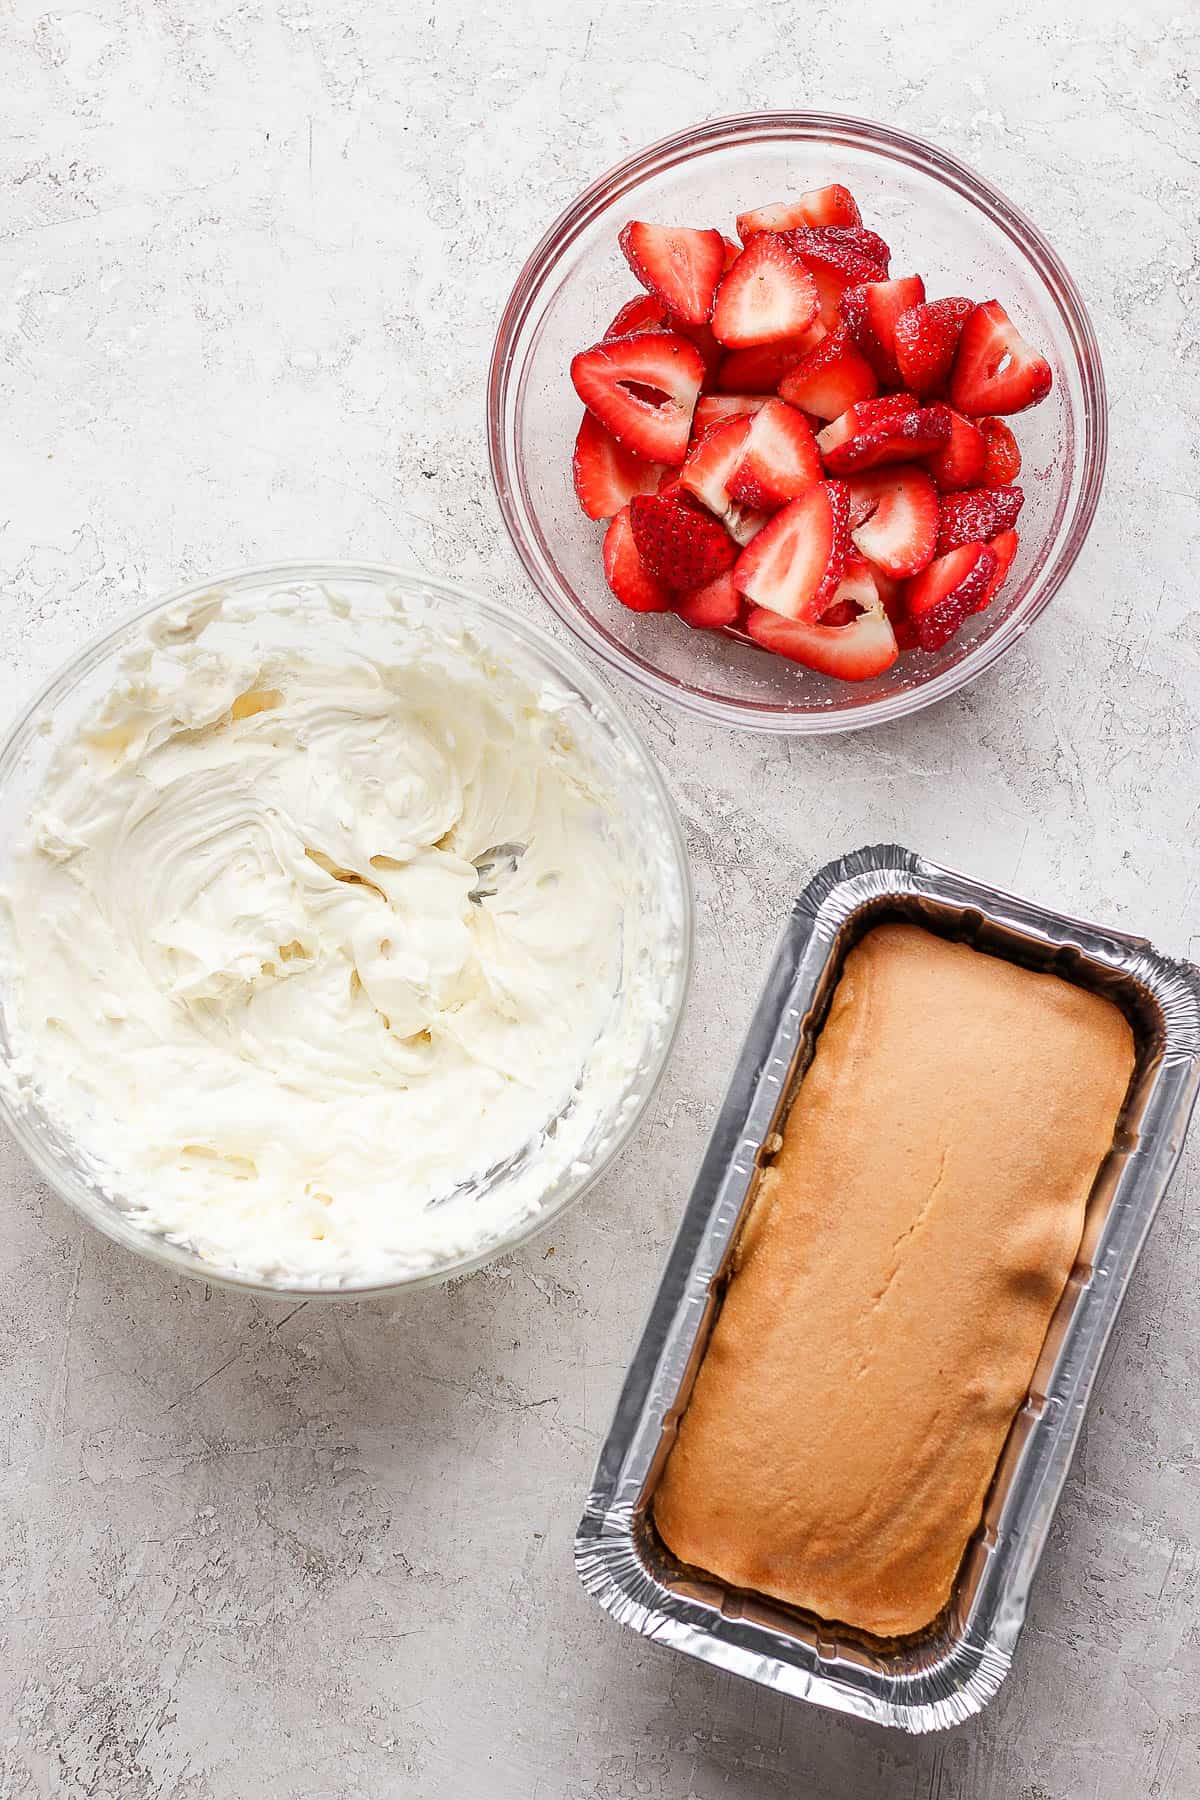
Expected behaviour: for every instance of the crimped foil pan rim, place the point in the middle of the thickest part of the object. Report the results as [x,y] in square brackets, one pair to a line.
[951,1677]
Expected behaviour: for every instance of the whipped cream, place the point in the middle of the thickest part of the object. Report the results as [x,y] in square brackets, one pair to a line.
[265,971]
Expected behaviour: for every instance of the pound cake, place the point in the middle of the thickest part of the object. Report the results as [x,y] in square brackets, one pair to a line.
[894,1281]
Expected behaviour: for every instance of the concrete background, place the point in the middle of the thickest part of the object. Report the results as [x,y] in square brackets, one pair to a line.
[251,259]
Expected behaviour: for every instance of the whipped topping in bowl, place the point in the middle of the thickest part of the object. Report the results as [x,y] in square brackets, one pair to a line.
[340,937]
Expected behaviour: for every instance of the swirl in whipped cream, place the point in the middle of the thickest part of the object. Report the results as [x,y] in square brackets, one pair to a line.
[258,972]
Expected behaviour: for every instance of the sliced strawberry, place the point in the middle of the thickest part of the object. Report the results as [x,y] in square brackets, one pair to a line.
[682,546]
[856,592]
[995,369]
[891,429]
[831,378]
[891,593]
[827,206]
[926,339]
[959,463]
[1002,458]
[606,475]
[626,573]
[853,652]
[977,516]
[767,295]
[707,473]
[941,596]
[713,607]
[871,310]
[1003,548]
[712,408]
[851,252]
[778,461]
[642,313]
[678,265]
[894,518]
[732,252]
[706,344]
[613,379]
[760,370]
[796,561]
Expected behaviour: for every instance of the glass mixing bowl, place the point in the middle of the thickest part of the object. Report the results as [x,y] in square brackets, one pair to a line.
[941,220]
[658,932]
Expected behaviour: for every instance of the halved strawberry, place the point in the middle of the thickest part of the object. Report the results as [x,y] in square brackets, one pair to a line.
[760,370]
[613,379]
[778,460]
[683,547]
[977,516]
[959,463]
[708,470]
[625,572]
[767,295]
[941,596]
[995,369]
[871,310]
[831,378]
[713,607]
[1003,548]
[894,428]
[795,562]
[712,408]
[606,475]
[642,313]
[894,518]
[926,339]
[827,206]
[853,652]
[1002,458]
[677,264]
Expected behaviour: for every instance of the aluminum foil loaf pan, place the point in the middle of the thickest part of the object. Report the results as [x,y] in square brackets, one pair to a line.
[950,1671]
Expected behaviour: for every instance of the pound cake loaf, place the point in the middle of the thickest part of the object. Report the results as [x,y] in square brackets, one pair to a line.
[894,1281]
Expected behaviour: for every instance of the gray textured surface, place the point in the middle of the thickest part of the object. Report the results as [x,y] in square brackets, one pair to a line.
[250,262]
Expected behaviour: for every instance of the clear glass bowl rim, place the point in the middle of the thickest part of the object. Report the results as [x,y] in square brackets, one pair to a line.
[570,667]
[898,146]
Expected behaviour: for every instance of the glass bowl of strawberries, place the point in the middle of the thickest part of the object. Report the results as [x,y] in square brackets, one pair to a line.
[797,421]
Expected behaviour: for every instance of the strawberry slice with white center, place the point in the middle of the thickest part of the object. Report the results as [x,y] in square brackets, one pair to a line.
[625,572]
[856,592]
[643,390]
[833,206]
[1003,548]
[677,264]
[779,459]
[709,468]
[941,596]
[711,409]
[856,651]
[761,369]
[1002,458]
[836,259]
[682,546]
[894,518]
[711,608]
[832,378]
[977,516]
[995,369]
[642,313]
[894,428]
[795,562]
[926,339]
[871,310]
[960,461]
[606,475]
[767,295]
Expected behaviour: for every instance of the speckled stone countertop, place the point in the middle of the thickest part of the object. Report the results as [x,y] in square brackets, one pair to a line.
[251,259]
